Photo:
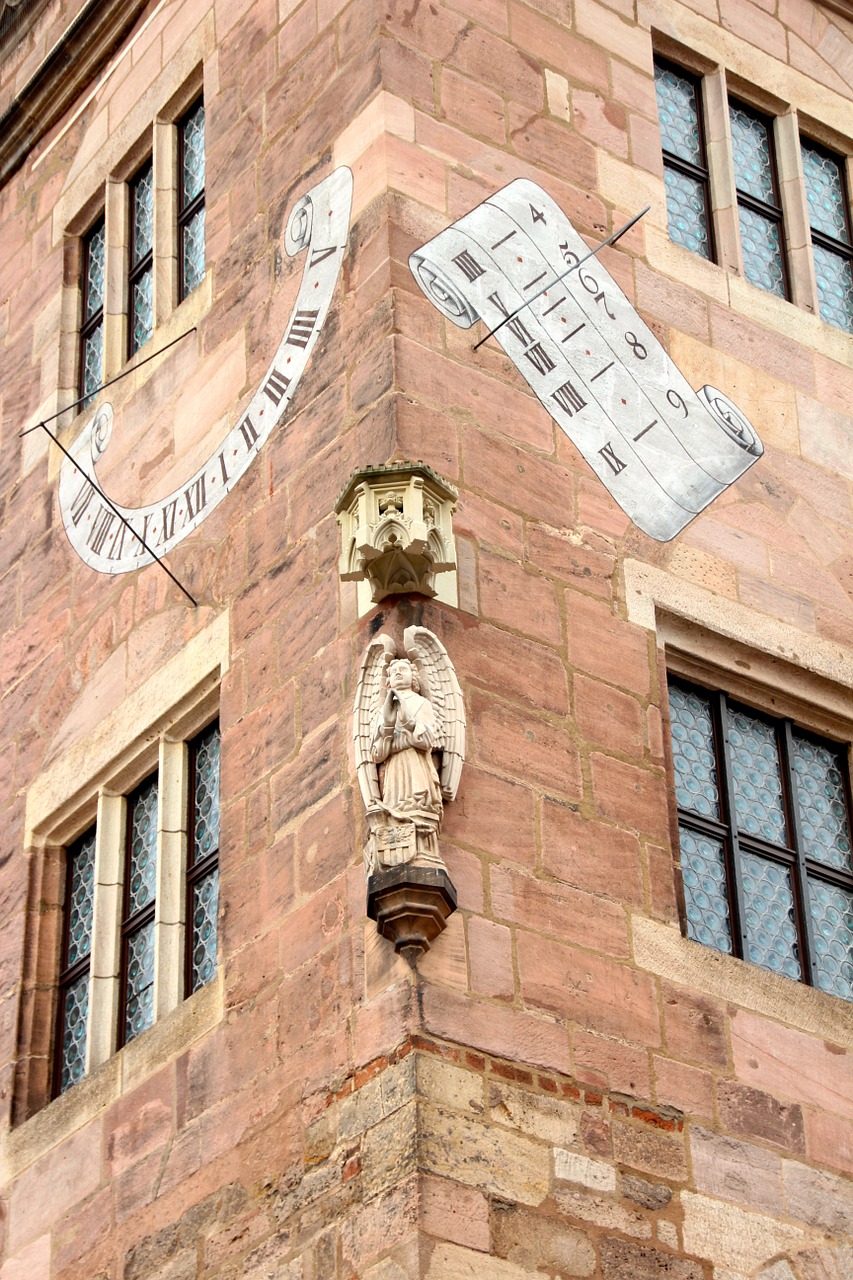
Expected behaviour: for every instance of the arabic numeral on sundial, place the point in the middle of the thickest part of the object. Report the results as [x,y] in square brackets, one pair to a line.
[677,401]
[590,283]
[636,346]
[302,328]
[537,215]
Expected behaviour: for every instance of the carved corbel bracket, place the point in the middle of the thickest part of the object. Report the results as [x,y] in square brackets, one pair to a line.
[397,533]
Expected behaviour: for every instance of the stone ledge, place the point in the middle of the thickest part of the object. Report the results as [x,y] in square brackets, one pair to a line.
[121,1074]
[660,949]
[72,63]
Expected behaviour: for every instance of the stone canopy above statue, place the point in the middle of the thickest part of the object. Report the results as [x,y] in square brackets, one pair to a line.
[397,533]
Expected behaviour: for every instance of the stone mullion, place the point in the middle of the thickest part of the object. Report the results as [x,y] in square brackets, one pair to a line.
[721,172]
[169,910]
[106,929]
[117,232]
[795,211]
[165,163]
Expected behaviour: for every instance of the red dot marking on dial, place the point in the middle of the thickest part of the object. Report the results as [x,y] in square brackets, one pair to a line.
[624,401]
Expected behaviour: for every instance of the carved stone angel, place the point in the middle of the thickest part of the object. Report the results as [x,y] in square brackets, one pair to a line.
[409,729]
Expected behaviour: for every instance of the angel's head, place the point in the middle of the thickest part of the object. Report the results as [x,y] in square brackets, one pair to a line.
[402,675]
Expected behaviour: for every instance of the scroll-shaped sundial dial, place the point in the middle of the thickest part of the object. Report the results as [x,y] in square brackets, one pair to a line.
[663,450]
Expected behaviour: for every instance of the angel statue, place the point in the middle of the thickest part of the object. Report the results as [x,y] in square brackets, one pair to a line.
[409,729]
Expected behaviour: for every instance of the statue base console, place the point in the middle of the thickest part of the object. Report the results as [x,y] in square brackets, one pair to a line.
[411,906]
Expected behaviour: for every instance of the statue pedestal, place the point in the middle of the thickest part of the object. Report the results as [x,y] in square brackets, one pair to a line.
[411,906]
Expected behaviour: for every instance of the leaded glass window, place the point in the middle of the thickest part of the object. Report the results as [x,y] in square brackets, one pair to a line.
[203,859]
[140,308]
[759,206]
[140,881]
[685,165]
[191,199]
[765,834]
[832,246]
[73,1004]
[92,327]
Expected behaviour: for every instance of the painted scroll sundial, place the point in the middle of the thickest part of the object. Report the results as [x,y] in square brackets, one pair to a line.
[663,450]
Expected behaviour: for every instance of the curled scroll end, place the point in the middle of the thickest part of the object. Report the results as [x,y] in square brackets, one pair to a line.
[441,291]
[101,431]
[735,424]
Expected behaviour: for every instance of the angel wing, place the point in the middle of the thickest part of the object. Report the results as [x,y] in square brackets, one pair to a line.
[368,698]
[439,684]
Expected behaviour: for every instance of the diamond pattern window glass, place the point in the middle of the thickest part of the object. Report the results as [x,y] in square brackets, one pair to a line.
[140,306]
[684,158]
[765,835]
[832,244]
[92,327]
[73,1003]
[137,967]
[191,199]
[759,205]
[158,917]
[203,859]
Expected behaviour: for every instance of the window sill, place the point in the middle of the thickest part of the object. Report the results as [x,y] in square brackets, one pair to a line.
[662,950]
[719,284]
[125,1070]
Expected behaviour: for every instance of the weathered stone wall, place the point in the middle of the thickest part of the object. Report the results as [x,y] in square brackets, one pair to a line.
[573,1089]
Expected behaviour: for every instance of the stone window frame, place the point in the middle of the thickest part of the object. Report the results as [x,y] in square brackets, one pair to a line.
[718,86]
[708,639]
[86,787]
[158,143]
[788,852]
[168,758]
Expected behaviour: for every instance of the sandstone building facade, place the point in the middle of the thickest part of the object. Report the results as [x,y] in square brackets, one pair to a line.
[630,1053]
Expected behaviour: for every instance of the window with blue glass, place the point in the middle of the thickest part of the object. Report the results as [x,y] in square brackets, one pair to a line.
[73,1002]
[832,244]
[685,162]
[140,303]
[759,205]
[92,326]
[765,838]
[141,923]
[191,199]
[203,860]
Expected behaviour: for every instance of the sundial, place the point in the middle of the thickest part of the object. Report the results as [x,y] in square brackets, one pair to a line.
[516,263]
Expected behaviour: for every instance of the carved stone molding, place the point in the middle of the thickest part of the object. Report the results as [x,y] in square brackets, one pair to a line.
[397,532]
[68,67]
[411,907]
